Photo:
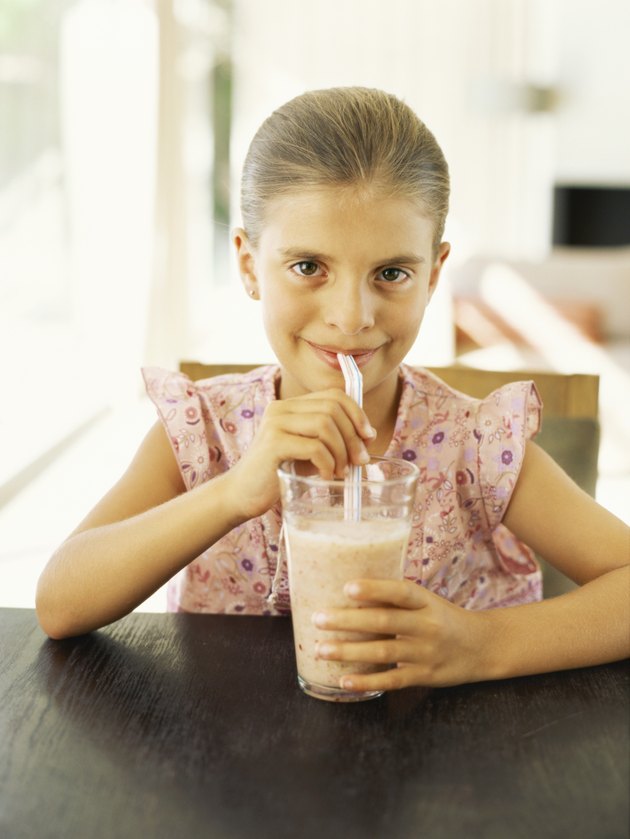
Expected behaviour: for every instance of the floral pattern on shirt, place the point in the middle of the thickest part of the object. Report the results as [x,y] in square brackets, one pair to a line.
[469,453]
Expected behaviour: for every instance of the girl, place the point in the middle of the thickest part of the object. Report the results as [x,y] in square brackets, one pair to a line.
[344,198]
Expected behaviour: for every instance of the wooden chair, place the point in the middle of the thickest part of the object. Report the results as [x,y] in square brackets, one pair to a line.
[570,431]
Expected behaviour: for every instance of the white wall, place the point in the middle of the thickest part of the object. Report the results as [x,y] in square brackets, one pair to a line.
[447,59]
[592,58]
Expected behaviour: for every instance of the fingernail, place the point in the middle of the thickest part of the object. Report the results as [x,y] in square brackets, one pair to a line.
[370,432]
[351,589]
[364,456]
[324,650]
[347,684]
[319,618]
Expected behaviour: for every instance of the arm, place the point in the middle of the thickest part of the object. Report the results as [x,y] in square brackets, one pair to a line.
[136,538]
[147,527]
[589,625]
[438,643]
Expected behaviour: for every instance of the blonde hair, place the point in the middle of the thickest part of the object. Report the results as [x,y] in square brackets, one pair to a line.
[339,137]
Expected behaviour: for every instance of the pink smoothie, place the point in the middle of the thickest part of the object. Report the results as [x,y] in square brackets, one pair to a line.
[323,556]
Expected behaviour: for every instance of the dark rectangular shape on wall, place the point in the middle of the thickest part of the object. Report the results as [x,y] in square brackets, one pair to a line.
[591,216]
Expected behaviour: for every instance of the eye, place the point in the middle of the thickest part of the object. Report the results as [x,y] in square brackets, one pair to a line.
[306,268]
[393,275]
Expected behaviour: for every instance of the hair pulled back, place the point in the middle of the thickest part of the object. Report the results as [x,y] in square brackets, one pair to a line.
[340,137]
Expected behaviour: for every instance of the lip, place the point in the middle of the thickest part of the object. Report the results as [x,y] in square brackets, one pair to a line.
[329,354]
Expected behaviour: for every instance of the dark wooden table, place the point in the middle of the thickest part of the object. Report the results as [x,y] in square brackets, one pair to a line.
[194,726]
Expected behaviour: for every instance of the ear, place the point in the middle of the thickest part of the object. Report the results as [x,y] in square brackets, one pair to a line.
[246,262]
[442,254]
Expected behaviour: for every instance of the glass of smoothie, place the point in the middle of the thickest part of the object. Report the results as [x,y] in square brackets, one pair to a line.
[335,532]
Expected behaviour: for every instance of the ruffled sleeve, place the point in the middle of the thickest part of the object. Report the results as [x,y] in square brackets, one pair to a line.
[505,420]
[182,408]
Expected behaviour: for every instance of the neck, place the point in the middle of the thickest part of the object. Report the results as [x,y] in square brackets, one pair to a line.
[381,406]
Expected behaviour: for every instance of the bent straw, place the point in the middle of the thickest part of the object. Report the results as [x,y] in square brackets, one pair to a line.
[352,485]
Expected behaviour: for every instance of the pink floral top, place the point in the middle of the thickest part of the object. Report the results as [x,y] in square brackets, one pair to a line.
[469,453]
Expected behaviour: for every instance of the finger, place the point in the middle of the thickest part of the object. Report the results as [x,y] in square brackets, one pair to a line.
[325,419]
[286,446]
[401,593]
[392,679]
[319,427]
[383,651]
[335,412]
[377,621]
[336,399]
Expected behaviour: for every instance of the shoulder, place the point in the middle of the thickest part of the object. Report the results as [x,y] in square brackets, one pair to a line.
[175,386]
[425,383]
[174,393]
[210,422]
[481,441]
[516,399]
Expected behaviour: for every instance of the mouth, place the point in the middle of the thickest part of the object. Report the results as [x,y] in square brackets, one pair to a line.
[328,355]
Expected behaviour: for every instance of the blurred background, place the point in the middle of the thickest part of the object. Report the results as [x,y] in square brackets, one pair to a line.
[123,126]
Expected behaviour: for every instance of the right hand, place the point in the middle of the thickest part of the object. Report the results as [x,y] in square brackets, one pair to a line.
[327,428]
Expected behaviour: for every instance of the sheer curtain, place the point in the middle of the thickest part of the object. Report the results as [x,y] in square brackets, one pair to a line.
[106,208]
[109,99]
[79,88]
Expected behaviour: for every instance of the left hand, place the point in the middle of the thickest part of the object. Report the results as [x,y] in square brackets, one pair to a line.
[434,643]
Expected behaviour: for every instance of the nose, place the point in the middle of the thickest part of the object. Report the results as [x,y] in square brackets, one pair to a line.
[349,307]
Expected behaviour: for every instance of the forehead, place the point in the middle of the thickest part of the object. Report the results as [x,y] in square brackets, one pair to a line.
[333,219]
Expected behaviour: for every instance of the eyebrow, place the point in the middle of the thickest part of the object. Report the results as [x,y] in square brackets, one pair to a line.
[306,254]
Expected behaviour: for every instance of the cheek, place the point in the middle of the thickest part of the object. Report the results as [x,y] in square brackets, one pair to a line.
[281,311]
[408,313]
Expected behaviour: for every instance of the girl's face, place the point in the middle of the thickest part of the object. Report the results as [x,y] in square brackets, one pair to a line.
[338,269]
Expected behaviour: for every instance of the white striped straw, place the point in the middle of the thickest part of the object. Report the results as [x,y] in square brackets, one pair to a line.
[352,484]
